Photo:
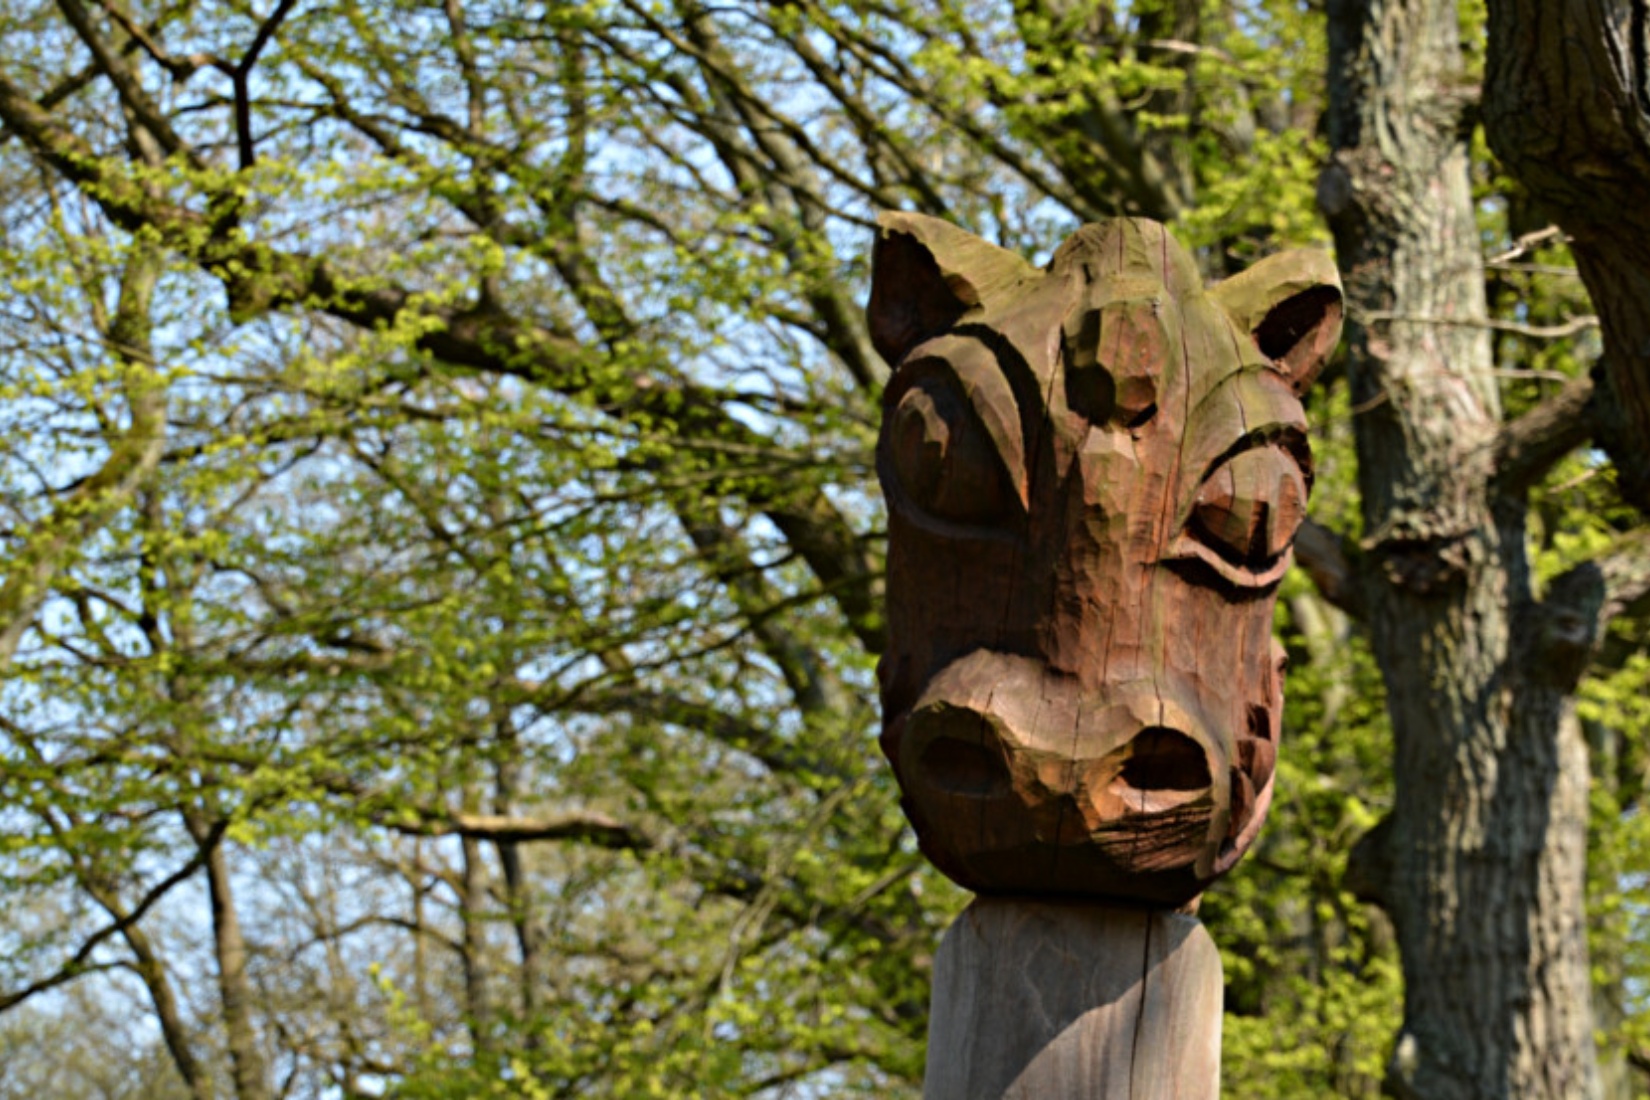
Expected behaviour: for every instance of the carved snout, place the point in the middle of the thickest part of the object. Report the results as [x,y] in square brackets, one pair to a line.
[1027,782]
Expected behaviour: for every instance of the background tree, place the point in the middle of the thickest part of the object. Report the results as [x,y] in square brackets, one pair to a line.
[1481,653]
[441,565]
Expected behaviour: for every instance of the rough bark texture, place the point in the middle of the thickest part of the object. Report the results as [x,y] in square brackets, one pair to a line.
[1481,864]
[1094,474]
[1567,109]
[1040,1001]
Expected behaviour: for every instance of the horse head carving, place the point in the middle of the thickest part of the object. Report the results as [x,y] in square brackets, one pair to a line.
[1094,474]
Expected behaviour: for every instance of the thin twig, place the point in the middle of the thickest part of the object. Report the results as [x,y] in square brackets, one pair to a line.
[1528,241]
[1535,332]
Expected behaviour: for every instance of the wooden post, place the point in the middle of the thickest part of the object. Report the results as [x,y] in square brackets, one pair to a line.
[1060,1001]
[1094,471]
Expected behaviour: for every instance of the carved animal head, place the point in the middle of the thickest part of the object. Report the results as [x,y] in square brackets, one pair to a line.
[1094,475]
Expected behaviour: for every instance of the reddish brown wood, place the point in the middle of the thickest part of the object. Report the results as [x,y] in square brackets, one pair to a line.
[1094,473]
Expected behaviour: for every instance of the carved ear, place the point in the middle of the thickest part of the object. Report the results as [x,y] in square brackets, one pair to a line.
[1291,304]
[925,274]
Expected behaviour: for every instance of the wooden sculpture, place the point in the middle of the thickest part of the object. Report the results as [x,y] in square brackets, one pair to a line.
[1094,474]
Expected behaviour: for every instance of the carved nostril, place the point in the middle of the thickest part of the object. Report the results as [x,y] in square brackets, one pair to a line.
[1163,759]
[1260,723]
[964,767]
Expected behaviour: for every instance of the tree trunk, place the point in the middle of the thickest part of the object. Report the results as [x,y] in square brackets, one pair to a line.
[1567,109]
[234,990]
[1481,865]
[519,894]
[1610,993]
[472,904]
[168,1014]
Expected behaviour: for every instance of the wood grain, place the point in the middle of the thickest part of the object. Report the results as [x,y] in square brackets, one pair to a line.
[1077,1001]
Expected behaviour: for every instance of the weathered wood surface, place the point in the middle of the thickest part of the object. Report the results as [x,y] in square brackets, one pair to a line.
[1094,475]
[1074,1001]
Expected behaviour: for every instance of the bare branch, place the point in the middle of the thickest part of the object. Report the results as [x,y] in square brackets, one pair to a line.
[132,93]
[392,812]
[181,68]
[1176,45]
[1523,245]
[588,827]
[1568,328]
[80,963]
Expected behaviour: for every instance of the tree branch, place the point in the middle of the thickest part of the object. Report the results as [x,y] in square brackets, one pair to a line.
[1526,448]
[1323,555]
[1567,328]
[587,826]
[58,92]
[26,580]
[181,68]
[779,756]
[81,963]
[132,93]
[1626,573]
[1570,623]
[243,101]
[259,278]
[411,819]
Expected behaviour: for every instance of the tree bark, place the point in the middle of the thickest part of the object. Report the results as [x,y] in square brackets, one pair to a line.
[1610,996]
[1481,865]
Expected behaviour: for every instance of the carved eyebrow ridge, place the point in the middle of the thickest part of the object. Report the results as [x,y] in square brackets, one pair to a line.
[973,373]
[1023,383]
[1022,380]
[1292,439]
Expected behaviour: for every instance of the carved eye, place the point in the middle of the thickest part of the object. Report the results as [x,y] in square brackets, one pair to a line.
[947,464]
[1115,357]
[1246,514]
[1250,507]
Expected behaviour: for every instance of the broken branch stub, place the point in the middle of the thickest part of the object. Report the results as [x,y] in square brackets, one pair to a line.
[1094,475]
